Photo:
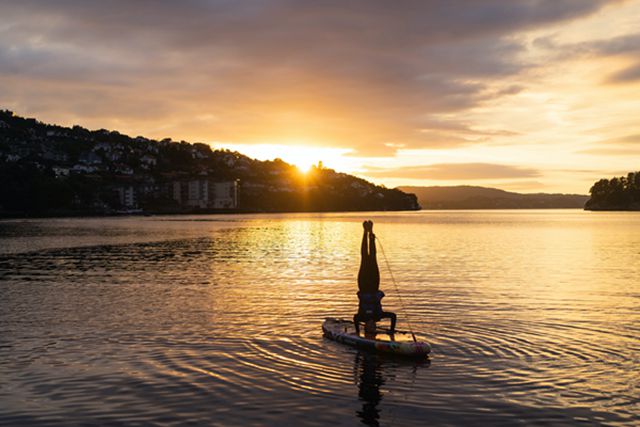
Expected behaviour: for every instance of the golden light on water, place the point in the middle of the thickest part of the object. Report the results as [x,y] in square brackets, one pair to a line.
[525,310]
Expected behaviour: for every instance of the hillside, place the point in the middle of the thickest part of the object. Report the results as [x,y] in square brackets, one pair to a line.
[471,197]
[54,170]
[616,194]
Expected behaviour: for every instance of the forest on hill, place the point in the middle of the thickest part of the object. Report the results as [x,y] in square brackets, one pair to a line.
[55,170]
[617,193]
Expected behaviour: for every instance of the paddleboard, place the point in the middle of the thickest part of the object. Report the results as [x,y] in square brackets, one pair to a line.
[402,343]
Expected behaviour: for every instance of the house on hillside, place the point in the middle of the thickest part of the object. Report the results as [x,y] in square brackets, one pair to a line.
[148,160]
[90,158]
[206,194]
[60,171]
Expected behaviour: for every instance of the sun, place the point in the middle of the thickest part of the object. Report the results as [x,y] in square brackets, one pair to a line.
[303,157]
[303,165]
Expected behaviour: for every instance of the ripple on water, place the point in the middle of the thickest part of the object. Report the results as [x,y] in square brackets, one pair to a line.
[224,328]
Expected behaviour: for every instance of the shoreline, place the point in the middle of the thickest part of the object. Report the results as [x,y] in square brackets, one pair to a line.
[85,214]
[47,215]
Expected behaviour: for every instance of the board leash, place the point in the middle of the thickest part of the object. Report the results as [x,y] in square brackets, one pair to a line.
[404,308]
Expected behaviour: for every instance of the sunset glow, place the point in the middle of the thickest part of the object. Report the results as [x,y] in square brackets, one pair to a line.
[528,96]
[302,156]
[320,212]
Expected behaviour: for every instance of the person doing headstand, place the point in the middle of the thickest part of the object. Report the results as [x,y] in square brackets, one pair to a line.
[369,295]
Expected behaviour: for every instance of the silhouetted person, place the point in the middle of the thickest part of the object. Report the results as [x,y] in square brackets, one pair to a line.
[369,295]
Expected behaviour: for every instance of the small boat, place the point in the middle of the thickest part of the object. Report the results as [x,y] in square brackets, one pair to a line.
[401,343]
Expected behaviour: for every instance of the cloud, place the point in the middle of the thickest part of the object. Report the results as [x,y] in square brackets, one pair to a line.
[627,46]
[367,75]
[626,145]
[449,133]
[622,140]
[630,74]
[455,171]
[620,45]
[461,127]
[614,151]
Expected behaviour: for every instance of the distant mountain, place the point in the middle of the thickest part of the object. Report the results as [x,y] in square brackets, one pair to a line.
[472,197]
[55,170]
[616,194]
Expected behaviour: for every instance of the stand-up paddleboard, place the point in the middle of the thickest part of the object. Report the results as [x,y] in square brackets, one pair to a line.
[401,343]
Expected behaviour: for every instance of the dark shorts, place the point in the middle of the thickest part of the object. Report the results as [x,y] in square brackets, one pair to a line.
[367,315]
[370,306]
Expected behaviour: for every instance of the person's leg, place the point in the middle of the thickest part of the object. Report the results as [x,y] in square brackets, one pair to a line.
[374,271]
[356,322]
[364,250]
[392,317]
[372,244]
[363,272]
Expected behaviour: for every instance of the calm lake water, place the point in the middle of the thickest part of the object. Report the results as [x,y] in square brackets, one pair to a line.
[534,318]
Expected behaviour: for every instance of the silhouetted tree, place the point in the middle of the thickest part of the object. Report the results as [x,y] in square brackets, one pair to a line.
[617,193]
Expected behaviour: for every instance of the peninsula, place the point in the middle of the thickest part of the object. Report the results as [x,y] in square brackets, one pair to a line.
[54,170]
[616,194]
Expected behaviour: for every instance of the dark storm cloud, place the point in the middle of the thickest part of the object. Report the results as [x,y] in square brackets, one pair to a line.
[456,171]
[363,74]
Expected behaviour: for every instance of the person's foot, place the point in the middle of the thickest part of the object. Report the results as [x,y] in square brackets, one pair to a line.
[370,226]
[365,225]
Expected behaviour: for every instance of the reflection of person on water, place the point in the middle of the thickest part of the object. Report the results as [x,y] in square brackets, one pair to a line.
[369,295]
[375,377]
[369,379]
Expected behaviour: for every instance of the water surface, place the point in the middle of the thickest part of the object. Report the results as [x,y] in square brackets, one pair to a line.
[533,317]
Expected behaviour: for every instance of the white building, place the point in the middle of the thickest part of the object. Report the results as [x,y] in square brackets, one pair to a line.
[206,194]
[127,196]
[224,195]
[198,193]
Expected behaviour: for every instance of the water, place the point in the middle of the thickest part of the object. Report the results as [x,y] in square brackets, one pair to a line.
[533,317]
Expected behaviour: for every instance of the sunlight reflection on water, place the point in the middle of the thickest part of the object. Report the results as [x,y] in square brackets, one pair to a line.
[532,315]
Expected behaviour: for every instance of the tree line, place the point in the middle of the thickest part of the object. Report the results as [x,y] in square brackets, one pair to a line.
[618,193]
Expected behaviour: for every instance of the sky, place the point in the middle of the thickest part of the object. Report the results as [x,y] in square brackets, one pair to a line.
[523,95]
